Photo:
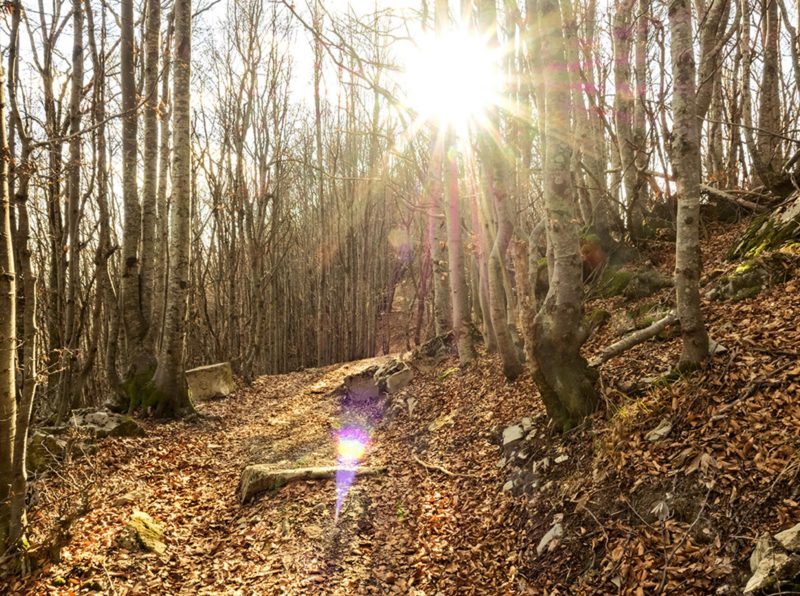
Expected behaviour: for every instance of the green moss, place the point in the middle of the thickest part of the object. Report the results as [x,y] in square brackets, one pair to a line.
[613,282]
[746,293]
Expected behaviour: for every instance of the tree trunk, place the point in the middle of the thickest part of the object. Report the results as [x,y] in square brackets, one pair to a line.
[686,162]
[140,361]
[8,334]
[562,375]
[170,384]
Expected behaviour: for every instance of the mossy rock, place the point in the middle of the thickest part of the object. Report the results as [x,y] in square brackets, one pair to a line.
[44,451]
[631,284]
[755,274]
[142,532]
[646,282]
[613,282]
[770,231]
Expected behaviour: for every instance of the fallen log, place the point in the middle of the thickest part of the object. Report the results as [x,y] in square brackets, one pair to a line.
[721,194]
[261,478]
[634,339]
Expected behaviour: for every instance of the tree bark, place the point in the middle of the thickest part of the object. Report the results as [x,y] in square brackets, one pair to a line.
[562,375]
[8,334]
[170,384]
[686,162]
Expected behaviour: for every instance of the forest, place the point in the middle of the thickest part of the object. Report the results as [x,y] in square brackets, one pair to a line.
[400,297]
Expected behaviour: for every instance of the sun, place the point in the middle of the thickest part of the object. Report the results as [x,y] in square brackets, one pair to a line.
[453,78]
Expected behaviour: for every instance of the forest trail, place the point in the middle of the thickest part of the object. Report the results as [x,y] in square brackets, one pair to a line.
[725,471]
[409,526]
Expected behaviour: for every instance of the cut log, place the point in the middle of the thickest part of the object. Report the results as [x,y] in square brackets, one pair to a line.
[635,338]
[260,478]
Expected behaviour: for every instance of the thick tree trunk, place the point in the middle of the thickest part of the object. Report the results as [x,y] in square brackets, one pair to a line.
[686,161]
[562,375]
[170,384]
[769,107]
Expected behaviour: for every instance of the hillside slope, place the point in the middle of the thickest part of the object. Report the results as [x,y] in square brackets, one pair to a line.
[454,513]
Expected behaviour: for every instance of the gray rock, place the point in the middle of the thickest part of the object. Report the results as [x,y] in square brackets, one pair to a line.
[210,382]
[512,434]
[556,532]
[526,424]
[790,539]
[397,381]
[770,565]
[661,431]
[102,423]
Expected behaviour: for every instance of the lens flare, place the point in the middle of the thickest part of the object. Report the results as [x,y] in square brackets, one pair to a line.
[351,446]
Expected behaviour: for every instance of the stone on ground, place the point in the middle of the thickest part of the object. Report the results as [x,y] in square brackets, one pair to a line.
[102,423]
[142,532]
[210,382]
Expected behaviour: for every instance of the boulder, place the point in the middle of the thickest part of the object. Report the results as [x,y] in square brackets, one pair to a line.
[755,274]
[142,532]
[770,231]
[213,381]
[44,451]
[398,380]
[549,540]
[512,434]
[103,423]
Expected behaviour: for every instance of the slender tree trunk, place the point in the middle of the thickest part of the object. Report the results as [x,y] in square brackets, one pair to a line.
[686,161]
[497,202]
[150,171]
[8,334]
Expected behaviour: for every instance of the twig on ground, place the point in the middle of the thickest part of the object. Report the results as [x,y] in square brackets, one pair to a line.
[444,471]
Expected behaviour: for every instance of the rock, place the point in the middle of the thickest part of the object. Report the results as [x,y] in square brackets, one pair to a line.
[755,274]
[398,380]
[44,450]
[556,532]
[646,282]
[508,486]
[526,424]
[214,381]
[561,459]
[512,434]
[662,430]
[771,230]
[790,539]
[129,498]
[770,565]
[142,532]
[102,423]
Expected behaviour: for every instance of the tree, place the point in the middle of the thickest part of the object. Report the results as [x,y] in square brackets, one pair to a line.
[562,375]
[8,335]
[686,161]
[462,324]
[140,359]
[497,213]
[170,383]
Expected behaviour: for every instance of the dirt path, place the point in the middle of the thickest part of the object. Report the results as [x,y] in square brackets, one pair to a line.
[414,528]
